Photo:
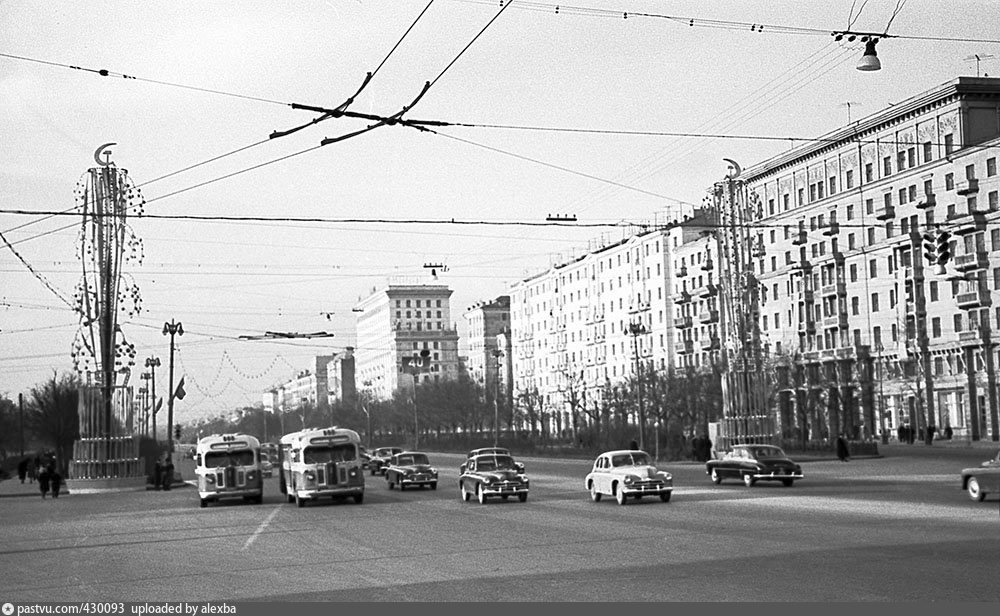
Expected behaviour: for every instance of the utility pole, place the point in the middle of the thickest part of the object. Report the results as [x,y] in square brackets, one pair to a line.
[171,329]
[636,329]
[20,403]
[414,366]
[153,363]
[497,354]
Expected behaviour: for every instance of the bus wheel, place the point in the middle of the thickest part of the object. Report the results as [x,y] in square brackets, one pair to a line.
[359,498]
[299,501]
[204,502]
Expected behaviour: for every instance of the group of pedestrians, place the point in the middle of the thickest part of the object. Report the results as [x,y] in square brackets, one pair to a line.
[47,474]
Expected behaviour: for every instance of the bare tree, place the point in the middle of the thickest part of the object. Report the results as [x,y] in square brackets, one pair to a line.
[53,416]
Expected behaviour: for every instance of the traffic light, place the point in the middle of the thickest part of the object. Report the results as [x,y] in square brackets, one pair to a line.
[177,433]
[930,248]
[943,252]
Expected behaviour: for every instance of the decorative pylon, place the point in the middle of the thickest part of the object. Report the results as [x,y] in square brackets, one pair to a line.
[108,446]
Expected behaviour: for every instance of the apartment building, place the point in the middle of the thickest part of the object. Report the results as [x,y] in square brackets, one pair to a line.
[398,323]
[485,322]
[846,292]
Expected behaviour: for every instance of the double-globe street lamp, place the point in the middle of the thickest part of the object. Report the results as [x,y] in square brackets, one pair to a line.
[636,329]
[171,329]
[153,363]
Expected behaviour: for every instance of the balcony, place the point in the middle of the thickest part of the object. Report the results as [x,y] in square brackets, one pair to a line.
[709,316]
[973,299]
[708,265]
[683,322]
[968,187]
[971,261]
[800,238]
[831,228]
[928,201]
[708,291]
[806,296]
[913,273]
[807,327]
[835,289]
[838,321]
[852,351]
[682,272]
[810,357]
[802,265]
[970,338]
[710,344]
[685,346]
[682,298]
[886,212]
[913,309]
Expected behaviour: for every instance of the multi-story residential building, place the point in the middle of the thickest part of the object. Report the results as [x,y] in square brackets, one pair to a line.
[398,323]
[485,321]
[695,287]
[340,377]
[846,292]
[308,388]
[570,326]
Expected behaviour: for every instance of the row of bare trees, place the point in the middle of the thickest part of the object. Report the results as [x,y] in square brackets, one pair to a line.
[49,422]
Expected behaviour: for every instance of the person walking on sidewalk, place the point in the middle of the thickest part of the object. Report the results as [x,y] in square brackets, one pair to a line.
[55,480]
[43,481]
[843,453]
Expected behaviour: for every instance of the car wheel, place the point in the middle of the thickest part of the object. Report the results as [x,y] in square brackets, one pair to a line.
[480,494]
[748,480]
[665,496]
[434,485]
[401,487]
[716,477]
[787,482]
[359,498]
[465,493]
[975,491]
[204,502]
[504,496]
[620,495]
[389,481]
[299,501]
[594,494]
[523,496]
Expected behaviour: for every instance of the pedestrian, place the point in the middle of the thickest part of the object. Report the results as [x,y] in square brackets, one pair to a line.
[55,480]
[43,481]
[948,432]
[843,453]
[706,448]
[901,433]
[32,470]
[168,473]
[157,474]
[22,469]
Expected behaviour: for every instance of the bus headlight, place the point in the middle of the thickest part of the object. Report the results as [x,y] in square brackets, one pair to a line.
[209,479]
[309,475]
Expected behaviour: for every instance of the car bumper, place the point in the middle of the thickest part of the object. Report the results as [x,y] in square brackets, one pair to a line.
[502,490]
[334,491]
[415,481]
[636,490]
[777,476]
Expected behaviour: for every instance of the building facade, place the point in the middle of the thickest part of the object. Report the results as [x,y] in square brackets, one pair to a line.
[398,323]
[865,325]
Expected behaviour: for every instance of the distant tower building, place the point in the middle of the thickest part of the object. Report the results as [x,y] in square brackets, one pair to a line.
[399,322]
[340,378]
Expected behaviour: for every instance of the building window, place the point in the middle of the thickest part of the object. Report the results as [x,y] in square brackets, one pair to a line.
[900,160]
[849,176]
[928,151]
[869,172]
[902,196]
[833,185]
[849,212]
[874,302]
[871,236]
[873,269]
[802,196]
[996,278]
[995,239]
[850,241]
[911,157]
[991,167]
[855,305]
[770,207]
[854,272]
[949,181]
[993,200]
[886,166]
[949,143]
[957,322]
[877,335]
[785,201]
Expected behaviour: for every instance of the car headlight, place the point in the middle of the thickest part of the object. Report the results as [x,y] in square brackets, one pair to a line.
[630,479]
[251,476]
[666,476]
[309,475]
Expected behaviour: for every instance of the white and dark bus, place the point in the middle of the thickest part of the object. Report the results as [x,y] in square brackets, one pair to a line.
[321,462]
[228,466]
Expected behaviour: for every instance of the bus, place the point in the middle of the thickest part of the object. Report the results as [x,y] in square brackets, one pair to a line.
[321,462]
[228,466]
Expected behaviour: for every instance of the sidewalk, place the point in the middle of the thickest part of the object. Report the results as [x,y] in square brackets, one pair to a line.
[14,487]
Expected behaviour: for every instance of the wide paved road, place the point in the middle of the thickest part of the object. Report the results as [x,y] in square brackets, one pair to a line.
[891,529]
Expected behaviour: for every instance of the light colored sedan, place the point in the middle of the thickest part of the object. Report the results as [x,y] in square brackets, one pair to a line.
[981,480]
[625,473]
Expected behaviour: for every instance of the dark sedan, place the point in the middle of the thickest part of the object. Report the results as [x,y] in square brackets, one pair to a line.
[983,479]
[380,459]
[410,468]
[753,463]
[489,475]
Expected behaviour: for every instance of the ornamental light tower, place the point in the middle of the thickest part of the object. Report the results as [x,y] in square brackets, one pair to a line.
[107,454]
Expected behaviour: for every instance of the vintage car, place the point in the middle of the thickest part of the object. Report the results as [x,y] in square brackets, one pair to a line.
[266,464]
[981,480]
[627,472]
[485,450]
[410,468]
[753,463]
[380,457]
[492,474]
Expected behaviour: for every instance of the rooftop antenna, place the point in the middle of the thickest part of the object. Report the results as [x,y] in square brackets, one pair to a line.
[848,105]
[978,58]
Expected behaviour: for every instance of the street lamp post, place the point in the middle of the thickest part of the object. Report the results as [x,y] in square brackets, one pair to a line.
[171,329]
[497,354]
[153,363]
[636,329]
[414,366]
[881,398]
[368,415]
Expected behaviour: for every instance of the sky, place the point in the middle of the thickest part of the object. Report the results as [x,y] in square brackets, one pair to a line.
[616,112]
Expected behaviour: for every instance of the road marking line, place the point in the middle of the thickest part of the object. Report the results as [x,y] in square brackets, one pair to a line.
[261,528]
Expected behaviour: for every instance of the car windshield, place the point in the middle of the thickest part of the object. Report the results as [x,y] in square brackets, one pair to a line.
[629,459]
[496,463]
[412,458]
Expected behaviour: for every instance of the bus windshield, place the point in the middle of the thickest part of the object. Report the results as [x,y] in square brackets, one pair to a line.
[321,454]
[215,459]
